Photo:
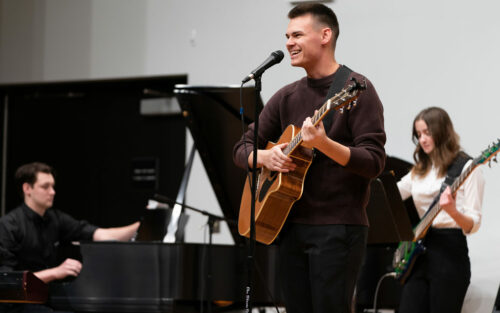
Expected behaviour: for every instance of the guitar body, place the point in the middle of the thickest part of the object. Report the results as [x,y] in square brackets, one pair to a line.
[405,257]
[276,193]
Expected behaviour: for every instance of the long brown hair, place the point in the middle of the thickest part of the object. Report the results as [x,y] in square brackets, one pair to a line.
[446,141]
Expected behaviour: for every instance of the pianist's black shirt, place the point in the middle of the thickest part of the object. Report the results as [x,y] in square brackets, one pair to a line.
[29,241]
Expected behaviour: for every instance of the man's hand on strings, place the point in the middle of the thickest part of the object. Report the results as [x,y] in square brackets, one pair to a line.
[275,160]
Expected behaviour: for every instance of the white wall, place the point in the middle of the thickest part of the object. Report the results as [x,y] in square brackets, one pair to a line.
[417,54]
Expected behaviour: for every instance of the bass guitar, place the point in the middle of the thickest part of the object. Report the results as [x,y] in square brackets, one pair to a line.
[276,192]
[408,251]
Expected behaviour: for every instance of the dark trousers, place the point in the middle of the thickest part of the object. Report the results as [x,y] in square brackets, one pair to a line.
[440,276]
[319,266]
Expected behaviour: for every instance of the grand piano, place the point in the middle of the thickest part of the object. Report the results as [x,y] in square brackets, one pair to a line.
[158,277]
[181,277]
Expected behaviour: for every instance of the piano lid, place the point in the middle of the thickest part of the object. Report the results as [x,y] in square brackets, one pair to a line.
[212,114]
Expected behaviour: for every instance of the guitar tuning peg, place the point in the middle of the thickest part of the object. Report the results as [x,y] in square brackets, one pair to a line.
[349,106]
[354,103]
[341,110]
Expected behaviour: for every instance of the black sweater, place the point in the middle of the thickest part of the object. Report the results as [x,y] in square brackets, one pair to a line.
[333,194]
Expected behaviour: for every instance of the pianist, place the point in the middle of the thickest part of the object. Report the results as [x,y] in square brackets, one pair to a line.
[31,233]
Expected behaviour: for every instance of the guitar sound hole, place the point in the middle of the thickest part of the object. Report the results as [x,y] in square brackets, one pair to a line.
[266,184]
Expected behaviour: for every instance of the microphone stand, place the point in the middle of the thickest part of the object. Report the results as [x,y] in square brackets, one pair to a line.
[212,218]
[251,244]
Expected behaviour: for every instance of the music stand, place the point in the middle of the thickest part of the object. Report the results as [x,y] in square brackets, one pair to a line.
[389,225]
[389,222]
[153,225]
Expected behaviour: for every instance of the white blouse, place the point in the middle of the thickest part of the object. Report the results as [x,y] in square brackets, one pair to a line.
[469,197]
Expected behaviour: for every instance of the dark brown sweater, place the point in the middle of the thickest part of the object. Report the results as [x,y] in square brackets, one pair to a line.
[333,194]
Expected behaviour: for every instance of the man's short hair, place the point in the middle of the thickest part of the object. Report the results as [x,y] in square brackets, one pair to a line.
[27,174]
[321,13]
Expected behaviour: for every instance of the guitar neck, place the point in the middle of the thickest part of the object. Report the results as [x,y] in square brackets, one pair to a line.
[426,221]
[337,102]
[318,116]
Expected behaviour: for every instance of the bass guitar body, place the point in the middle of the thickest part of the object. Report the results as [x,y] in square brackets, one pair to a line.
[276,193]
[405,257]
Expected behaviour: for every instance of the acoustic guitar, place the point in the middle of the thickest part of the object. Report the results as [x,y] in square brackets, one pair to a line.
[408,251]
[276,192]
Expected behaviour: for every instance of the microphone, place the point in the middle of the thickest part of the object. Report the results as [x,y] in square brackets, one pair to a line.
[274,58]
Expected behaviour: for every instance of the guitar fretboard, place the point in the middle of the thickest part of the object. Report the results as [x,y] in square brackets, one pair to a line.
[426,221]
[339,101]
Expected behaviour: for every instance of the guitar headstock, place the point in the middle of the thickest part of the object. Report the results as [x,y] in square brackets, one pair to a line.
[346,98]
[489,154]
[356,86]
